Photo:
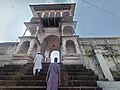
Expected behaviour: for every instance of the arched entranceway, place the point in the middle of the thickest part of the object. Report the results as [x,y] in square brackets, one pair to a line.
[50,43]
[55,54]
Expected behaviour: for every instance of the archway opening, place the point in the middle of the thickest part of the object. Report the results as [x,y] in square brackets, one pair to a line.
[55,54]
[50,45]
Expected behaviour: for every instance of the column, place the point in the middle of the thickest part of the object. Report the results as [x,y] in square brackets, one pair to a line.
[63,47]
[38,48]
[32,43]
[37,29]
[104,65]
[18,47]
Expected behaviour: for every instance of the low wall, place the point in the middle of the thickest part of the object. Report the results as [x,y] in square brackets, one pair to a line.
[6,57]
[109,85]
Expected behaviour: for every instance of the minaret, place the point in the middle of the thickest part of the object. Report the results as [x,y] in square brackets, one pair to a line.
[52,28]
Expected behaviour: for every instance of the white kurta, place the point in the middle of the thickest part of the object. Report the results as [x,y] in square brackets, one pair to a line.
[37,63]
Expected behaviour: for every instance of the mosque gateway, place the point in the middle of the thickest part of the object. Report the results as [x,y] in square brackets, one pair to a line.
[52,28]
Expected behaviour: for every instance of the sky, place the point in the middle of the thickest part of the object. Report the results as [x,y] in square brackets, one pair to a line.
[95,18]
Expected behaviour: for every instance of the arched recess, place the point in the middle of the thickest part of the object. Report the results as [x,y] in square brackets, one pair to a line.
[52,14]
[58,14]
[66,14]
[24,47]
[50,43]
[38,14]
[68,30]
[70,47]
[46,14]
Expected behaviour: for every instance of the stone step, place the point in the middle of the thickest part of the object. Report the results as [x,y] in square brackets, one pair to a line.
[31,73]
[71,70]
[6,77]
[78,70]
[31,77]
[43,83]
[82,77]
[9,68]
[44,88]
[66,70]
[74,66]
[22,83]
[78,65]
[64,73]
[42,77]
[31,70]
[73,77]
[14,66]
[80,73]
[75,83]
[8,73]
[29,65]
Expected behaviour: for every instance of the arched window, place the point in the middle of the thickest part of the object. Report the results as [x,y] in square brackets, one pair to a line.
[66,14]
[24,47]
[52,14]
[46,14]
[70,47]
[58,14]
[68,30]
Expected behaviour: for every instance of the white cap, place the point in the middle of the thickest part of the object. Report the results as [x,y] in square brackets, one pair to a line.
[39,52]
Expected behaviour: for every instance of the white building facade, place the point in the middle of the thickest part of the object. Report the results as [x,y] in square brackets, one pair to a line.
[52,28]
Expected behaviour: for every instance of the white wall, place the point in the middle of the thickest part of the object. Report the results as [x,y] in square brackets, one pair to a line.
[106,85]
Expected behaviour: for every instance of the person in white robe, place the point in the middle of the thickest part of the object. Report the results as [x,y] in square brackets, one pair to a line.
[37,63]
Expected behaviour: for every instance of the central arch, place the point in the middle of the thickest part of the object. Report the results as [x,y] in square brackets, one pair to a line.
[50,43]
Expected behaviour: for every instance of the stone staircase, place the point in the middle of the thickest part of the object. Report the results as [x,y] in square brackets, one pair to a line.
[73,77]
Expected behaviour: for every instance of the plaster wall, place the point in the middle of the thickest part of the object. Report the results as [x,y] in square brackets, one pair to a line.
[109,85]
